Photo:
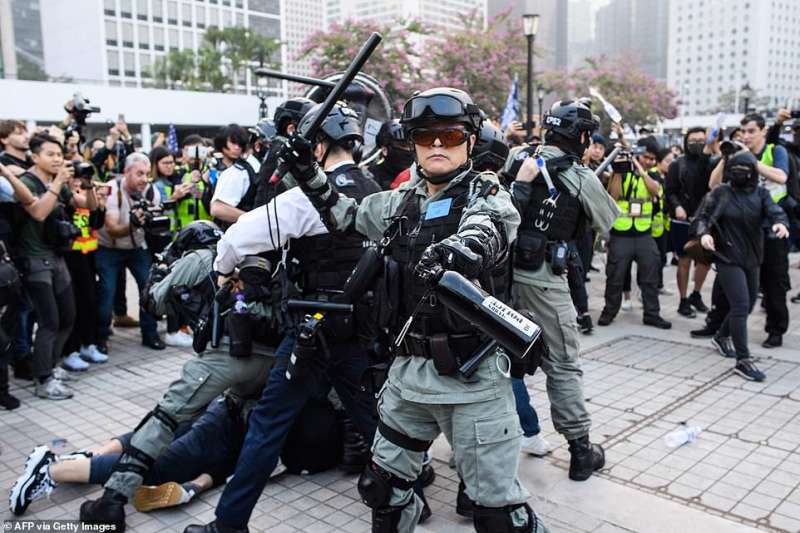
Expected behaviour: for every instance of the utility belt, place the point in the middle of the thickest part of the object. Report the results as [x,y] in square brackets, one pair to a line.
[448,351]
[534,248]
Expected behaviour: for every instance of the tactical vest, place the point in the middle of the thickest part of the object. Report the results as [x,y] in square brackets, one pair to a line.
[326,261]
[777,191]
[633,191]
[248,200]
[559,218]
[87,242]
[416,234]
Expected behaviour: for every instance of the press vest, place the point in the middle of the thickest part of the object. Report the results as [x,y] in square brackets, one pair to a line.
[87,242]
[777,191]
[660,222]
[634,188]
[417,232]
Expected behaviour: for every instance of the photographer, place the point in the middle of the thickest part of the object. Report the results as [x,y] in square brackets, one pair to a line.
[44,235]
[631,239]
[108,158]
[122,245]
[234,193]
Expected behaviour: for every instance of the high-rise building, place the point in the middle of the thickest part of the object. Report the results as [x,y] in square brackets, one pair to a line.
[719,46]
[437,14]
[302,19]
[117,41]
[551,41]
[580,32]
[21,38]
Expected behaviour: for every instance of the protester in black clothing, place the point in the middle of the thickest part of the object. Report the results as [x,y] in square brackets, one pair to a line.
[685,185]
[730,225]
[395,154]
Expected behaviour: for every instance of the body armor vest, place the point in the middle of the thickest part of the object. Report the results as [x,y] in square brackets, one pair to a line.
[326,261]
[416,234]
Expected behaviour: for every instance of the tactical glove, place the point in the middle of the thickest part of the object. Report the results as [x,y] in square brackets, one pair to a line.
[298,157]
[449,254]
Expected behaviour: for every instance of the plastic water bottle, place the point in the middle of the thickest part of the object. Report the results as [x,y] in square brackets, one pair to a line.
[682,435]
[240,306]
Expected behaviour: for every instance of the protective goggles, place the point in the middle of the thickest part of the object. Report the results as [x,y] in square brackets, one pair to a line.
[449,137]
[435,106]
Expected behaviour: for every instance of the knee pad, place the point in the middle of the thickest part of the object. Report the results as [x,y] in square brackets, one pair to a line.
[162,416]
[375,486]
[146,461]
[499,519]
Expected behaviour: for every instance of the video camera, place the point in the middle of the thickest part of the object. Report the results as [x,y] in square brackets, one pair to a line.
[623,163]
[155,221]
[728,148]
[84,171]
[80,111]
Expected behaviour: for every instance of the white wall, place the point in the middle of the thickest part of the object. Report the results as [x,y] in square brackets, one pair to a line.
[73,40]
[44,101]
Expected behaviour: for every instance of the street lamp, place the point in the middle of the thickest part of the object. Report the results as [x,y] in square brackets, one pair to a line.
[540,96]
[530,25]
[746,94]
[261,90]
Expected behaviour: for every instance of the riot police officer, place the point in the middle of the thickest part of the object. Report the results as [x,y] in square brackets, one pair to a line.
[490,151]
[202,378]
[557,200]
[395,155]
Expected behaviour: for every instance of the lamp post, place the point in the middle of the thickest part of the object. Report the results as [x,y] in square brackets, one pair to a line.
[530,25]
[540,96]
[747,94]
[261,91]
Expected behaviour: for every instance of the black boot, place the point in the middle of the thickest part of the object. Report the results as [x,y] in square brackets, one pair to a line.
[6,400]
[464,505]
[109,509]
[22,368]
[586,458]
[213,527]
[426,510]
[356,453]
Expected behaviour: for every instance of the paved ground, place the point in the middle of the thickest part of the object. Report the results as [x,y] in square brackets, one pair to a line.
[742,474]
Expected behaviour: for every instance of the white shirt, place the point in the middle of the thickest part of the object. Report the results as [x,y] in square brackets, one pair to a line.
[289,215]
[233,183]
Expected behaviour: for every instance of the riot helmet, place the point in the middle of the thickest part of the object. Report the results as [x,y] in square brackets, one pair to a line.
[741,170]
[292,110]
[441,104]
[490,151]
[566,121]
[262,135]
[391,135]
[194,236]
[341,128]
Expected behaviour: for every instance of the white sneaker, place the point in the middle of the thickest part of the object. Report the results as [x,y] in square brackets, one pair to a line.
[279,469]
[535,445]
[92,355]
[62,375]
[74,363]
[34,483]
[665,292]
[178,339]
[627,305]
[53,389]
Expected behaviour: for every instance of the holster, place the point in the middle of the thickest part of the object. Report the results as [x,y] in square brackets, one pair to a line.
[530,250]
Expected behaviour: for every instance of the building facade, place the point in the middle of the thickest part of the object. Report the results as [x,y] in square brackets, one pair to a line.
[553,37]
[441,15]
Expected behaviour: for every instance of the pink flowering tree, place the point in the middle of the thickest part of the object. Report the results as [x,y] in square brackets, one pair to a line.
[482,61]
[640,98]
[395,63]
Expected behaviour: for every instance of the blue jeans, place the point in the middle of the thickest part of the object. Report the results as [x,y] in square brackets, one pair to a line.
[110,265]
[273,416]
[528,418]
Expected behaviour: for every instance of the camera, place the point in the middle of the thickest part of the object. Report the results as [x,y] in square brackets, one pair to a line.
[84,171]
[728,148]
[80,112]
[795,113]
[154,222]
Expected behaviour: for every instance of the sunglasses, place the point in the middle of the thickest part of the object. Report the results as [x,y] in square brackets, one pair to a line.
[449,137]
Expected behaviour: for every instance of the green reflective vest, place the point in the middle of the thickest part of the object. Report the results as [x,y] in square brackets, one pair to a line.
[634,191]
[778,191]
[660,222]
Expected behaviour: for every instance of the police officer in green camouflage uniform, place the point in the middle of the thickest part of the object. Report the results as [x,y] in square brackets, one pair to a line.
[203,377]
[446,216]
[556,204]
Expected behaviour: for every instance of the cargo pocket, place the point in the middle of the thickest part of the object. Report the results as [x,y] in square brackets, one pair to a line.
[568,333]
[497,453]
[183,399]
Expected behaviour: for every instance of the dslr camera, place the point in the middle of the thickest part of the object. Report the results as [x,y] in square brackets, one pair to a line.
[80,112]
[155,222]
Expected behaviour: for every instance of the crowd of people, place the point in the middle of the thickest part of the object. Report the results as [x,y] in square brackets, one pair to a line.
[252,246]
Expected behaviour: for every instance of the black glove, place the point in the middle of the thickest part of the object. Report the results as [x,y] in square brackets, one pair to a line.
[298,157]
[449,254]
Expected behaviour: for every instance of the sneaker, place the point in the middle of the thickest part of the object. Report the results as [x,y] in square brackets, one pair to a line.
[53,389]
[74,363]
[125,321]
[536,445]
[34,483]
[170,494]
[723,346]
[663,291]
[796,299]
[703,333]
[585,324]
[92,354]
[62,375]
[179,339]
[101,346]
[697,302]
[279,469]
[154,342]
[685,308]
[605,320]
[748,370]
[773,341]
[657,322]
[627,305]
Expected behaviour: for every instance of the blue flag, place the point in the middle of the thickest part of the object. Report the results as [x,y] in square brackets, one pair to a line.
[511,112]
[172,140]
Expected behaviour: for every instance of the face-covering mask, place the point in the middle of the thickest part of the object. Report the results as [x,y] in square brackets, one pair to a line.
[695,149]
[741,177]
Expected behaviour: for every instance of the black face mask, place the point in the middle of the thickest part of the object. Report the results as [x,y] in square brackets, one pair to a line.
[742,178]
[695,149]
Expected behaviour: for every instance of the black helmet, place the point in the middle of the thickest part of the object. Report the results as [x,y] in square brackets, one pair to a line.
[570,118]
[292,110]
[193,236]
[264,130]
[741,170]
[391,133]
[490,151]
[441,103]
[342,123]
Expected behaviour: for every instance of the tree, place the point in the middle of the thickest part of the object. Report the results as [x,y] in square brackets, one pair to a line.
[241,47]
[175,68]
[395,63]
[482,62]
[640,98]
